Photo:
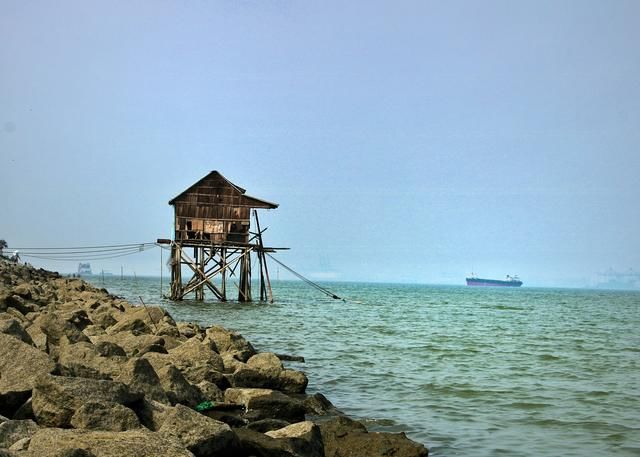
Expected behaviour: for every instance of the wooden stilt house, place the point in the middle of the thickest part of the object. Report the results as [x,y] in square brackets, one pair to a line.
[213,220]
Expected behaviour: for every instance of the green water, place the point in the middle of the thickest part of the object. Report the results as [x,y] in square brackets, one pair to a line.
[466,371]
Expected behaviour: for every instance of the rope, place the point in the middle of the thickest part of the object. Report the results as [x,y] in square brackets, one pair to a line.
[308,281]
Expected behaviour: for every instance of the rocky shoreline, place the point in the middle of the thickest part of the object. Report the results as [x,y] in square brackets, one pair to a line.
[84,373]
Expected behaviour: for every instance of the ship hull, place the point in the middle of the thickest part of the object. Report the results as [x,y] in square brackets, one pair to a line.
[479,282]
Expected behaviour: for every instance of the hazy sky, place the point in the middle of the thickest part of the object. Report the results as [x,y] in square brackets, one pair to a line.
[404,140]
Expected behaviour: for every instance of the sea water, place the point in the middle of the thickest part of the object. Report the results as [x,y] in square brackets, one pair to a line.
[466,371]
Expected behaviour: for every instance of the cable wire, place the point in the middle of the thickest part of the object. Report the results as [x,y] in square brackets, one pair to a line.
[85,247]
[308,281]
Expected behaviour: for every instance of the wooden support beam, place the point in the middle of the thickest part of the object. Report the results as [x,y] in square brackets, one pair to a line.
[262,256]
[203,278]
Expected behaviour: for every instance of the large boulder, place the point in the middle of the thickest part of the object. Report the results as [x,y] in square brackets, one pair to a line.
[104,315]
[132,343]
[85,360]
[57,398]
[254,443]
[152,413]
[177,388]
[267,425]
[292,381]
[188,329]
[21,304]
[266,370]
[266,404]
[304,438]
[140,376]
[343,437]
[16,430]
[211,391]
[139,443]
[226,341]
[267,362]
[319,405]
[23,290]
[39,338]
[289,381]
[201,435]
[20,366]
[109,349]
[194,352]
[60,328]
[231,363]
[140,320]
[102,415]
[12,327]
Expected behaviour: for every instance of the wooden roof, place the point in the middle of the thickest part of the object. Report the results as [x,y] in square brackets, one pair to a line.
[249,200]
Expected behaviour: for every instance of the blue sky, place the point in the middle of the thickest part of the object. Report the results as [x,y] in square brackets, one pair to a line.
[404,141]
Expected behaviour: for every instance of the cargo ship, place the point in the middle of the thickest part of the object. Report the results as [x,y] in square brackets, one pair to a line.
[84,269]
[511,281]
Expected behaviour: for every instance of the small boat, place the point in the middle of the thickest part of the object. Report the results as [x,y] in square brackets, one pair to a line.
[511,281]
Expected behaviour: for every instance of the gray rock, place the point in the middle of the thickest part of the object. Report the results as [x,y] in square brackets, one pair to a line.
[153,348]
[319,405]
[292,381]
[177,388]
[20,304]
[231,363]
[23,290]
[266,404]
[109,349]
[152,413]
[57,327]
[265,361]
[20,366]
[289,381]
[70,452]
[84,360]
[108,416]
[13,328]
[130,342]
[167,329]
[78,318]
[267,425]
[137,326]
[226,341]
[157,360]
[139,443]
[201,435]
[210,391]
[204,373]
[265,370]
[104,316]
[304,438]
[194,352]
[343,436]
[258,444]
[141,320]
[188,329]
[20,445]
[56,398]
[140,376]
[39,338]
[15,430]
